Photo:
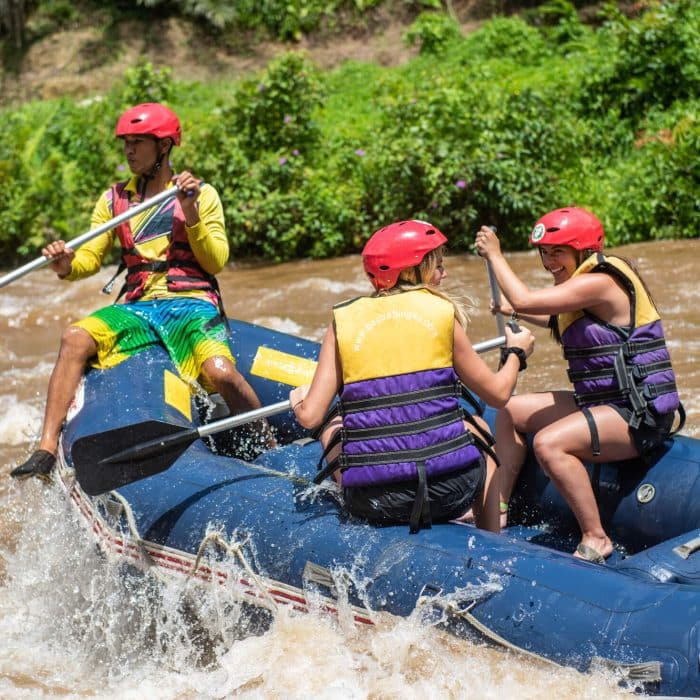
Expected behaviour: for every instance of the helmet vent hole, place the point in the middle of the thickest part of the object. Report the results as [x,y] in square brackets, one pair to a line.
[552,229]
[384,267]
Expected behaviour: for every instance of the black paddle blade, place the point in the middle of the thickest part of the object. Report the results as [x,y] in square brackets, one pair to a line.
[114,458]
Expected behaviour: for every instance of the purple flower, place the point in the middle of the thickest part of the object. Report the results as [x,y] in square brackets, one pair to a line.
[287,119]
[360,152]
[261,87]
[121,167]
[460,184]
[282,160]
[295,152]
[434,205]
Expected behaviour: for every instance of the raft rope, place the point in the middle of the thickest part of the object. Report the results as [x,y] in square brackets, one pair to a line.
[216,538]
[133,534]
[235,549]
[452,607]
[644,672]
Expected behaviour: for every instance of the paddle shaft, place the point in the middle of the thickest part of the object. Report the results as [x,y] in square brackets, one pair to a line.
[496,294]
[187,436]
[89,235]
[241,418]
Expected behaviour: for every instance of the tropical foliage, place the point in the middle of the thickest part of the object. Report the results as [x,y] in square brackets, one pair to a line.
[497,126]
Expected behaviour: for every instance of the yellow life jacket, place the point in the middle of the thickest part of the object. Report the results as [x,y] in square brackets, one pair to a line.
[394,334]
[643,310]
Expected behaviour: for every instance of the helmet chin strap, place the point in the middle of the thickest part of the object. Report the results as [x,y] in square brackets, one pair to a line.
[151,174]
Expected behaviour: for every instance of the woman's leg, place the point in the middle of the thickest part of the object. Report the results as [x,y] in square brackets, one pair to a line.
[527,413]
[485,505]
[562,447]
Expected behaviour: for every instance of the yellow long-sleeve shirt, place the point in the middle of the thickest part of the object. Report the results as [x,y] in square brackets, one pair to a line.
[207,240]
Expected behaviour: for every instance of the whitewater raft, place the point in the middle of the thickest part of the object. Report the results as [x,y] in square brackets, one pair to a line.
[639,614]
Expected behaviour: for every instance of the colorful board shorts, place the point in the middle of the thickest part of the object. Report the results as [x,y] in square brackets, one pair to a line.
[191,330]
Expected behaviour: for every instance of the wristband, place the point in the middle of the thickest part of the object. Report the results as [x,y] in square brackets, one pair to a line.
[514,351]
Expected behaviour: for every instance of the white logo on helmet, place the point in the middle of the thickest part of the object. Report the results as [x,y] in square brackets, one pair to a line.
[537,233]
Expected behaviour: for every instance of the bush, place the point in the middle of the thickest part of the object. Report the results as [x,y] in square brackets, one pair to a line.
[275,111]
[432,32]
[654,60]
[144,83]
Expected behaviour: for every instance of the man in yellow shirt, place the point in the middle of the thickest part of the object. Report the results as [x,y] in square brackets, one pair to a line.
[171,253]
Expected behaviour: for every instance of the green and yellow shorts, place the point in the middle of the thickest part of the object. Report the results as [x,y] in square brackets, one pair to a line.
[191,330]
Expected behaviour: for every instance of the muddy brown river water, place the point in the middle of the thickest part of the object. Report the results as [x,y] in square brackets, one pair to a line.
[68,630]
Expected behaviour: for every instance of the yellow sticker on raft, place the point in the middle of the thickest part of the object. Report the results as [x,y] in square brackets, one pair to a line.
[176,392]
[282,367]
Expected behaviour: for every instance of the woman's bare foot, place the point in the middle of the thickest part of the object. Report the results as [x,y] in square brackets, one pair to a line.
[468,517]
[596,550]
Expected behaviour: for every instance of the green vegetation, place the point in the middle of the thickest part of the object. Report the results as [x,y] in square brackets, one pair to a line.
[517,118]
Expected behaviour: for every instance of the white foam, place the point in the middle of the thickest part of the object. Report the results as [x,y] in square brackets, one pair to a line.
[20,422]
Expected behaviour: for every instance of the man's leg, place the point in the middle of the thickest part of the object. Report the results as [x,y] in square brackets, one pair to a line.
[238,394]
[76,348]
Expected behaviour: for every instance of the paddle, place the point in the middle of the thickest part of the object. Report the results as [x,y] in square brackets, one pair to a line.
[89,235]
[151,447]
[496,294]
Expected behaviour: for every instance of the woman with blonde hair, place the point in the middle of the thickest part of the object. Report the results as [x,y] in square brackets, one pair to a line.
[397,440]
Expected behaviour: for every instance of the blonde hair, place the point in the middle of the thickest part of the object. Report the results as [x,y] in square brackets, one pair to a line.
[412,278]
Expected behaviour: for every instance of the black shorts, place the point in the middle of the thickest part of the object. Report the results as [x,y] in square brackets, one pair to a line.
[652,431]
[450,495]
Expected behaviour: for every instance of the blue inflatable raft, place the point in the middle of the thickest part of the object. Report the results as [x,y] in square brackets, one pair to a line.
[639,614]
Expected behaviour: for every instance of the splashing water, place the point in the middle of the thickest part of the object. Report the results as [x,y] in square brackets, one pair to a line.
[75,623]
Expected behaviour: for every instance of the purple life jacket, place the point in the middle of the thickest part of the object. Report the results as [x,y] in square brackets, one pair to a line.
[391,425]
[620,366]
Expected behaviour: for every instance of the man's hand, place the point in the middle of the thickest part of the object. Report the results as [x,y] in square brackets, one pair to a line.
[60,257]
[188,193]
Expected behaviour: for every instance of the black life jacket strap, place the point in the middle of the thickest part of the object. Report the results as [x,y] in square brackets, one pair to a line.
[476,405]
[485,442]
[403,399]
[631,348]
[332,412]
[681,419]
[638,371]
[420,512]
[324,472]
[399,429]
[346,461]
[595,439]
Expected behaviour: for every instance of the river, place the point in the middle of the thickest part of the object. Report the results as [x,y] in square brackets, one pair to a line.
[70,628]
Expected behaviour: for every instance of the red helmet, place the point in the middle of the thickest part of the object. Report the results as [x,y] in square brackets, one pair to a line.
[572,226]
[151,119]
[397,247]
